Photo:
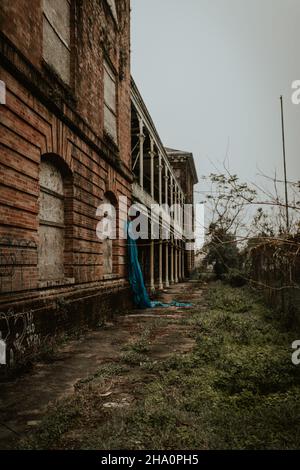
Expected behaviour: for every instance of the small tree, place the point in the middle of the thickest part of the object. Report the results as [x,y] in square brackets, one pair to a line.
[221,251]
[227,202]
[226,210]
[237,234]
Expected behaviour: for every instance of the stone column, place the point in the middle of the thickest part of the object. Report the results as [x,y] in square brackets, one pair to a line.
[167,282]
[176,262]
[152,283]
[182,237]
[160,179]
[172,262]
[141,138]
[182,213]
[179,207]
[171,195]
[152,166]
[189,263]
[171,236]
[160,246]
[175,203]
[160,265]
[179,261]
[166,184]
[183,260]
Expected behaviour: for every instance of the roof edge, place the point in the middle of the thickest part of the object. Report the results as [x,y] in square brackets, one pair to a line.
[189,157]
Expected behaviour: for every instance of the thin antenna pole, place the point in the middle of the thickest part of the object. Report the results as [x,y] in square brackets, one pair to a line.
[284,166]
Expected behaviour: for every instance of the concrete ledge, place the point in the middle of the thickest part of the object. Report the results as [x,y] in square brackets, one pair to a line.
[32,326]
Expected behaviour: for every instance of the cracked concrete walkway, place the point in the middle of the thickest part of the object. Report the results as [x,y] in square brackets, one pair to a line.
[24,401]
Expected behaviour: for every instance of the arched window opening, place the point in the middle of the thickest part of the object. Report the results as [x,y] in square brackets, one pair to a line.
[53,204]
[110,243]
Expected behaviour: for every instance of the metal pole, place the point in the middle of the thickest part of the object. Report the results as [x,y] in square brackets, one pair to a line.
[284,165]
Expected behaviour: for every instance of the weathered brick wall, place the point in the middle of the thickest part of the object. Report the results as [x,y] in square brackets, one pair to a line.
[23,27]
[95,36]
[43,116]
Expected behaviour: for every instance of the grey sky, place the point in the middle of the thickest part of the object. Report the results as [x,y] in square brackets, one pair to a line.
[211,73]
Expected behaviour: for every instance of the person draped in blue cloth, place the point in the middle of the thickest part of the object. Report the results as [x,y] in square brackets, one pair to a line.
[136,278]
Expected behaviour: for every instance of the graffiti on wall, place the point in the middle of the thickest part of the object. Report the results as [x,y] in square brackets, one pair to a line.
[18,332]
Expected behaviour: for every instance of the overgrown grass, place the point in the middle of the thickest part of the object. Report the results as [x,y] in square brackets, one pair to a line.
[236,390]
[106,371]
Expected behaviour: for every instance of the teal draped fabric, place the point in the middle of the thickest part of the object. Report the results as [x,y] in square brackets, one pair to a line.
[136,279]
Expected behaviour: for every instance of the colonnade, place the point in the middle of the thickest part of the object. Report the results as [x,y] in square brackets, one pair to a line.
[167,256]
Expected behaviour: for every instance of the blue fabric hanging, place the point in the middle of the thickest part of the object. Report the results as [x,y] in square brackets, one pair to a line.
[136,279]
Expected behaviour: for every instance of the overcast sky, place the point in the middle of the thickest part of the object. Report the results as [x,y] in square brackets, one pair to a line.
[211,73]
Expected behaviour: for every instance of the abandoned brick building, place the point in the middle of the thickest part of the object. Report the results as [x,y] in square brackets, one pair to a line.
[66,147]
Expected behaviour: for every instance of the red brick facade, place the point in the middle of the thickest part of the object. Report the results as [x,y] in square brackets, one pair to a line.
[45,119]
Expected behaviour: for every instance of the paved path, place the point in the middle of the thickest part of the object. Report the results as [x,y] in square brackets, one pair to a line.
[23,402]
